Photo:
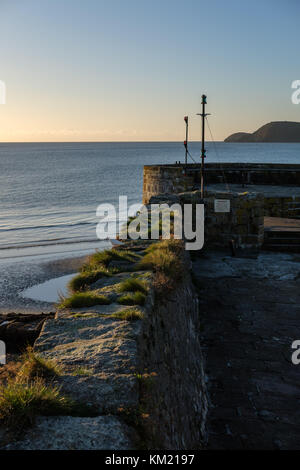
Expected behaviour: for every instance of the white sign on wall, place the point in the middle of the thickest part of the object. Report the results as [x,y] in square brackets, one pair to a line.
[222,205]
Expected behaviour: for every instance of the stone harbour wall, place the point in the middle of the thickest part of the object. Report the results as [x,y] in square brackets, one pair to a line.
[170,348]
[165,179]
[144,379]
[254,173]
[159,179]
[244,223]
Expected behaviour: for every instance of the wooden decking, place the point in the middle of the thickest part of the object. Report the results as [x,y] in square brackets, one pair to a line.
[282,225]
[282,235]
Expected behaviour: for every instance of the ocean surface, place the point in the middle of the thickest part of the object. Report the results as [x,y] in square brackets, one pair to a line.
[49,192]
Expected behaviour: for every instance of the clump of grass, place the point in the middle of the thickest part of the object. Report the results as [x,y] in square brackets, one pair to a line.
[21,402]
[162,284]
[166,245]
[100,258]
[82,371]
[103,258]
[97,267]
[86,315]
[34,366]
[84,279]
[164,261]
[83,299]
[9,370]
[133,284]
[130,314]
[134,298]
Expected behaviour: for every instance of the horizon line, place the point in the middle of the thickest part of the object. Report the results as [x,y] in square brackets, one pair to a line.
[103,141]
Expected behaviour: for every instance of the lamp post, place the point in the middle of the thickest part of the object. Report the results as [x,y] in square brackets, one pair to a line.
[186,120]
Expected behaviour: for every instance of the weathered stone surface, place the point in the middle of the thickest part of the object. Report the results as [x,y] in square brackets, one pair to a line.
[71,433]
[170,348]
[276,266]
[104,347]
[171,179]
[121,264]
[250,317]
[109,281]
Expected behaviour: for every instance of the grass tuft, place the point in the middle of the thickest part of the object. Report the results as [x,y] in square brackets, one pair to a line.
[166,245]
[34,366]
[100,258]
[133,284]
[134,298]
[164,261]
[130,314]
[83,299]
[103,258]
[82,371]
[84,279]
[21,402]
[97,267]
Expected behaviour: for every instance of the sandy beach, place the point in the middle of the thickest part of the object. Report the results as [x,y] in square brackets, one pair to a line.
[22,272]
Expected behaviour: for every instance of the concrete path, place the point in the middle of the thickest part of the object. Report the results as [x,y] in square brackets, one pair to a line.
[250,317]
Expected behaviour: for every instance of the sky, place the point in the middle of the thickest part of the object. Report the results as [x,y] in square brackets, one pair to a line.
[98,70]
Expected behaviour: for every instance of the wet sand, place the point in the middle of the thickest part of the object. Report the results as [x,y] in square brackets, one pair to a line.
[18,276]
[26,267]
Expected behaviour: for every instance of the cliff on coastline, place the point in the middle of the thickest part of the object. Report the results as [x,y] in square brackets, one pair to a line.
[279,131]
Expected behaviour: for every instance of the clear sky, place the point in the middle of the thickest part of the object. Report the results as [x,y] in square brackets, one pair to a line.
[118,70]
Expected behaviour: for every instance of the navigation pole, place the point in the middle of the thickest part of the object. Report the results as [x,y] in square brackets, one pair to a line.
[203,151]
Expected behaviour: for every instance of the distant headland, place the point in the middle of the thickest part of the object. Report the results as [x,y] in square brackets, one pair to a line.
[278,131]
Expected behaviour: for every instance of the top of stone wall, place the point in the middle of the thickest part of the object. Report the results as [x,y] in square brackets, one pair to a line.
[228,165]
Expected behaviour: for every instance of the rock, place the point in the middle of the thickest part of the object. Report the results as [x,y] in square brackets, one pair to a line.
[108,281]
[105,347]
[122,265]
[18,330]
[71,433]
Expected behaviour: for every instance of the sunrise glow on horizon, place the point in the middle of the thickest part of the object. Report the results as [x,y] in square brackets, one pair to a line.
[130,71]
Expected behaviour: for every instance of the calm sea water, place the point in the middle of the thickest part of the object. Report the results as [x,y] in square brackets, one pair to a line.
[49,192]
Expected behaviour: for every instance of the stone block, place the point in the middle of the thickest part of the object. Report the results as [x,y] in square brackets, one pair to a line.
[71,433]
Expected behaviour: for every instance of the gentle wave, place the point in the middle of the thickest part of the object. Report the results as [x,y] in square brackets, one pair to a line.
[34,227]
[54,241]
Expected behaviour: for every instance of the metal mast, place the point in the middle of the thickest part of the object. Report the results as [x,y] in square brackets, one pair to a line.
[203,151]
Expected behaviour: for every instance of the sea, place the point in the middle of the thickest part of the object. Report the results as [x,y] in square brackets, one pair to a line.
[49,192]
